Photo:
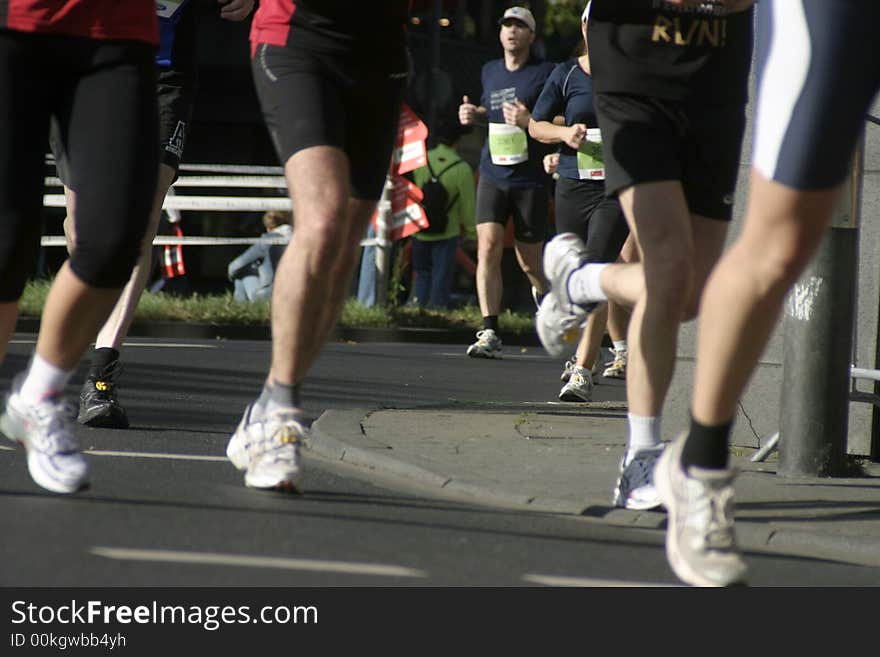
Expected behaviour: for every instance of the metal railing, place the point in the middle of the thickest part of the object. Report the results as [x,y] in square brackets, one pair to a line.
[217,176]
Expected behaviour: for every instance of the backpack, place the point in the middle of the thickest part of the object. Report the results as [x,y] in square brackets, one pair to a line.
[436,201]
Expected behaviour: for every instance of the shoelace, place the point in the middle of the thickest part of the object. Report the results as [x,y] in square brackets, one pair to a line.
[108,376]
[55,435]
[265,439]
[719,532]
[485,338]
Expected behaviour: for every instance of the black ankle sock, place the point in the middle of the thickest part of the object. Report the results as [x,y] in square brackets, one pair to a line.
[705,446]
[101,358]
[491,322]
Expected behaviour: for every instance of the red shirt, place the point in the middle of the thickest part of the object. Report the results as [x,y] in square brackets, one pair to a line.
[127,20]
[366,27]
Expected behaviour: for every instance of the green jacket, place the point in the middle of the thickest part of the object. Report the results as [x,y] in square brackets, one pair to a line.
[459,183]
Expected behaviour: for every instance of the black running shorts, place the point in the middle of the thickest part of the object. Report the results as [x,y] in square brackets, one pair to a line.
[526,205]
[652,140]
[102,94]
[318,99]
[583,208]
[175,93]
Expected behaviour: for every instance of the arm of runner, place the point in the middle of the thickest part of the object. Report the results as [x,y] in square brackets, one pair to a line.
[470,114]
[235,10]
[550,133]
[516,113]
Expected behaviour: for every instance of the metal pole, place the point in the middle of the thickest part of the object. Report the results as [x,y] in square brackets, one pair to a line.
[431,87]
[383,242]
[818,340]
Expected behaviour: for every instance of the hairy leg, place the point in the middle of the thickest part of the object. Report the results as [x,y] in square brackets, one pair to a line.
[659,219]
[743,297]
[529,256]
[490,248]
[312,275]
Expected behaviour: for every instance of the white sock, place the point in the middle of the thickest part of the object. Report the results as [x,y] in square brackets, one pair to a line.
[583,285]
[42,379]
[619,345]
[644,432]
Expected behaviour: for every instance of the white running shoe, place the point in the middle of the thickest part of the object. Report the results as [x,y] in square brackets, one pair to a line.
[266,448]
[700,539]
[567,368]
[579,387]
[635,484]
[488,345]
[616,369]
[45,429]
[571,362]
[559,321]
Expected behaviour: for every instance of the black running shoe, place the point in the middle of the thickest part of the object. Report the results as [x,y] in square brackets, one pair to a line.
[98,406]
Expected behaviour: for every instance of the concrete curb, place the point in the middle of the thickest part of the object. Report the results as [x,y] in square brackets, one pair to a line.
[335,434]
[338,435]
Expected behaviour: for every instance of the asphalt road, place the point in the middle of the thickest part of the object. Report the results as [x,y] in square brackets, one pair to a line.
[166,509]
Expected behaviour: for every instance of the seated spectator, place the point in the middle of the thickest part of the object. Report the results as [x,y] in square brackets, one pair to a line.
[253,272]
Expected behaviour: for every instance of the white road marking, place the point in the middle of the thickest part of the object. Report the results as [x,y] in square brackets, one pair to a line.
[279,563]
[507,356]
[155,455]
[554,580]
[143,455]
[170,345]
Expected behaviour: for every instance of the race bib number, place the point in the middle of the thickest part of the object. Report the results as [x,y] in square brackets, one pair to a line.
[508,144]
[167,8]
[591,166]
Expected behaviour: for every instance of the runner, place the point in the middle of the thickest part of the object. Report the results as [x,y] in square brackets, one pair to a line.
[330,76]
[512,179]
[176,89]
[89,66]
[810,110]
[671,85]
[581,205]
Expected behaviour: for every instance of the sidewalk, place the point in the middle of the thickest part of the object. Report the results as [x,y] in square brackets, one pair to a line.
[565,461]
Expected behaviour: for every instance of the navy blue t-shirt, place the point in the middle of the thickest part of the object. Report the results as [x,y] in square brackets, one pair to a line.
[568,92]
[499,86]
[169,14]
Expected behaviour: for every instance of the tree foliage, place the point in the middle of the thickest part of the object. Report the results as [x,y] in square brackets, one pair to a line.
[562,28]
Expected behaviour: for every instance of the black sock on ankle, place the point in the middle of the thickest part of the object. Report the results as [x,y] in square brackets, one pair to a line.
[705,446]
[103,357]
[491,322]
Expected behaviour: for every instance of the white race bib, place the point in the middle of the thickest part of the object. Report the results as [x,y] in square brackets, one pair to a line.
[508,144]
[591,164]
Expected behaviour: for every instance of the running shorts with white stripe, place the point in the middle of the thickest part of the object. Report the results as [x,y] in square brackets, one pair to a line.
[818,71]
